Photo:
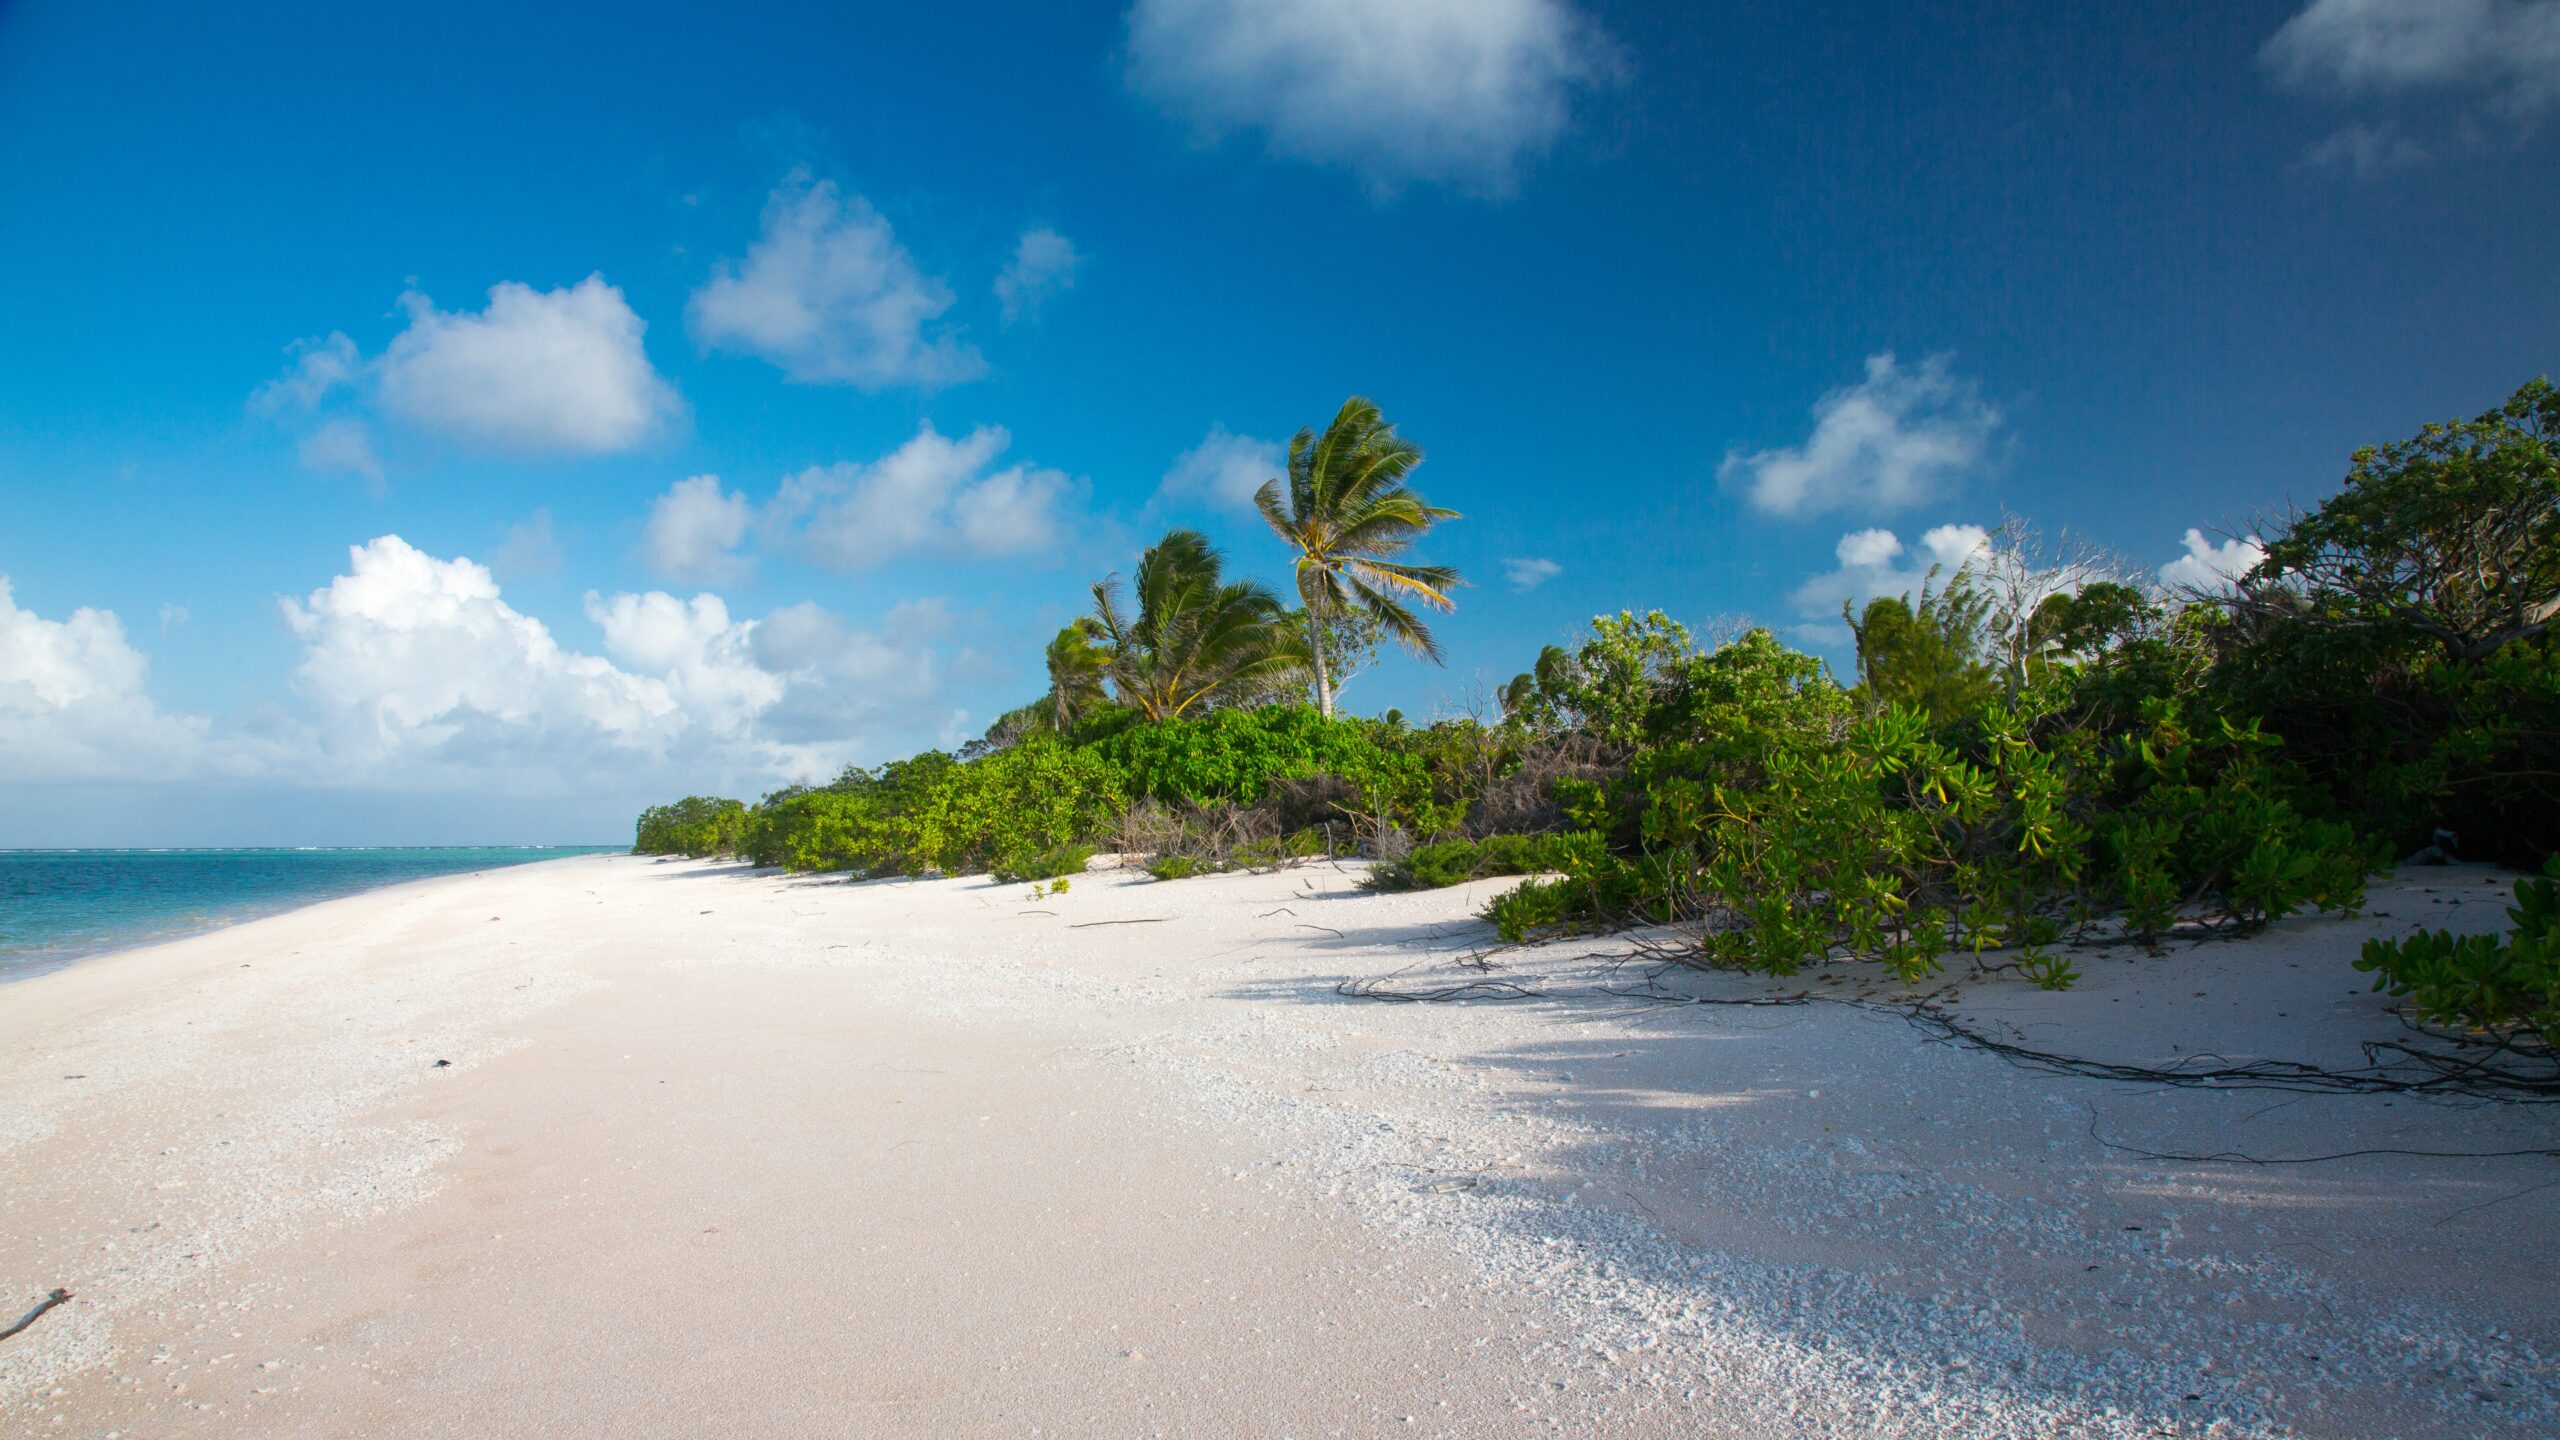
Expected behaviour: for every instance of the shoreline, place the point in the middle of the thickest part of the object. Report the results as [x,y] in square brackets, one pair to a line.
[913,1150]
[14,969]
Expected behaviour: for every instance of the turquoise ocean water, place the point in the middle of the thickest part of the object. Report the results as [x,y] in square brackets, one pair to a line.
[59,905]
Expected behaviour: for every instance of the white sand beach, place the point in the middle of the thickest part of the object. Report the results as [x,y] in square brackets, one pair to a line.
[619,1147]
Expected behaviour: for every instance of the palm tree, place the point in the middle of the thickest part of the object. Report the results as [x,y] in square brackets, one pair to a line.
[1197,639]
[1348,513]
[1076,668]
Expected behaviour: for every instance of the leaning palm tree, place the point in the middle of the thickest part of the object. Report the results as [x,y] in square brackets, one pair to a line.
[1076,669]
[1196,640]
[1348,513]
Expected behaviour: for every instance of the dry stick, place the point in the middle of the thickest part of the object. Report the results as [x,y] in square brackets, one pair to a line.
[1149,920]
[48,1302]
[1329,930]
[2234,1157]
[1376,989]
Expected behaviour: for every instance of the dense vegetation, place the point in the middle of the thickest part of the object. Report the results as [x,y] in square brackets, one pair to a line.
[2034,744]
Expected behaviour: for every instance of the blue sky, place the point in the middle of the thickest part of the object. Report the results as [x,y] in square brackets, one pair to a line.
[1733,310]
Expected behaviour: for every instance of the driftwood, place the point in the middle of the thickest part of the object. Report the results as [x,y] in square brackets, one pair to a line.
[56,1298]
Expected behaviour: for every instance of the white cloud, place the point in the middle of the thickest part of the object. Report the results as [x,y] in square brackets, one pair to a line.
[2208,567]
[320,367]
[694,532]
[1886,443]
[930,494]
[828,294]
[1529,572]
[704,659]
[2365,151]
[416,674]
[538,372]
[1044,262]
[1456,91]
[1875,563]
[1223,471]
[340,447]
[73,704]
[2504,51]
[558,371]
[408,659]
[845,680]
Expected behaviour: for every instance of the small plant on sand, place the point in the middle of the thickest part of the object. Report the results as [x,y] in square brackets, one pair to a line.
[1052,863]
[2483,982]
[1455,862]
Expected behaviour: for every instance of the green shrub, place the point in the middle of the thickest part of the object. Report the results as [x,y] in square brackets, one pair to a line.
[1531,907]
[1052,863]
[1593,887]
[1906,840]
[1180,867]
[698,825]
[2483,982]
[1234,757]
[935,813]
[1455,862]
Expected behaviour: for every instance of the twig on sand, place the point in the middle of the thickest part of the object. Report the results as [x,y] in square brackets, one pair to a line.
[2234,1157]
[1035,912]
[58,1297]
[2485,1204]
[1267,914]
[1329,930]
[1376,989]
[1149,920]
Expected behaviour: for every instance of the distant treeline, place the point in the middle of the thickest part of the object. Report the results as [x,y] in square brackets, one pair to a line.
[2036,741]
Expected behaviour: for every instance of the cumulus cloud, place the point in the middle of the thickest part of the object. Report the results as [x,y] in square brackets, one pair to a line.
[415,673]
[1529,572]
[1044,262]
[844,679]
[2504,51]
[1454,91]
[932,494]
[828,294]
[705,660]
[1875,563]
[410,658]
[73,705]
[536,372]
[2208,567]
[1884,444]
[694,532]
[1222,471]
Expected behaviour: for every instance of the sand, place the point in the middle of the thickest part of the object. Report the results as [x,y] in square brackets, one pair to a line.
[720,1152]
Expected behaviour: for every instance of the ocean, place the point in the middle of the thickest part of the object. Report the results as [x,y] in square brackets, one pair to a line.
[57,906]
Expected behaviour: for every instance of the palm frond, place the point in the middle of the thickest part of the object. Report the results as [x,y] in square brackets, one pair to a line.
[1431,583]
[1401,623]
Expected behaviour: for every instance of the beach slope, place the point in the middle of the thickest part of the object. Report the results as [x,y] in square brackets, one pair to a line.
[617,1146]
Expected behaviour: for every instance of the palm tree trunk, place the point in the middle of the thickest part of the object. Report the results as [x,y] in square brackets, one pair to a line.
[1315,648]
